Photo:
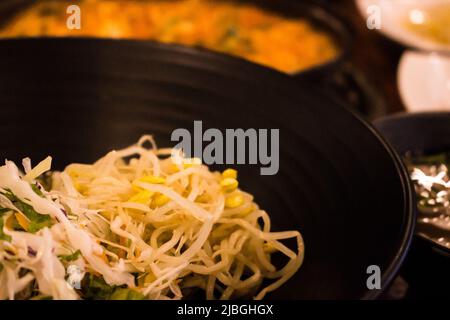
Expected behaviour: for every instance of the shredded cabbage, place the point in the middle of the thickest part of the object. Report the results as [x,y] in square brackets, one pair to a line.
[146,224]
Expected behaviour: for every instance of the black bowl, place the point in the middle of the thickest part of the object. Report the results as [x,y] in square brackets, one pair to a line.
[339,183]
[428,264]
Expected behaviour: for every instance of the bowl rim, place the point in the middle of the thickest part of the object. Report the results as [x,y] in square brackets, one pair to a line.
[409,213]
[403,116]
[394,119]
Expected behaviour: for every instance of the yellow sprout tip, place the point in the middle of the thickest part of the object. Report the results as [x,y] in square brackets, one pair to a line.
[230,173]
[142,197]
[159,200]
[229,184]
[234,201]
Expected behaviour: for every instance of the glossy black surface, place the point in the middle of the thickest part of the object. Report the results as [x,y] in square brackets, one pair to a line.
[339,183]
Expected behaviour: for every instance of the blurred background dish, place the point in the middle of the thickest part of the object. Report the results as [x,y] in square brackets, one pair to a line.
[291,41]
[424,81]
[78,98]
[423,24]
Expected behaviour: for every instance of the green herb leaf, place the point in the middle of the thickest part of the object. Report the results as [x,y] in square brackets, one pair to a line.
[37,190]
[126,294]
[96,288]
[3,236]
[37,220]
[42,297]
[70,257]
[15,225]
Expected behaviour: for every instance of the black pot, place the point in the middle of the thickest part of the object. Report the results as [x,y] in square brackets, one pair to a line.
[322,17]
[428,263]
[336,76]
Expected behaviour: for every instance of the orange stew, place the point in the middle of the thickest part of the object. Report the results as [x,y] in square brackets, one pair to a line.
[287,44]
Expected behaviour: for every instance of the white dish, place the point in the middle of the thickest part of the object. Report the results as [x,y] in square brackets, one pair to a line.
[424,81]
[393,17]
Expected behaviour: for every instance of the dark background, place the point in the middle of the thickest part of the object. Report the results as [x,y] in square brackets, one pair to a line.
[373,54]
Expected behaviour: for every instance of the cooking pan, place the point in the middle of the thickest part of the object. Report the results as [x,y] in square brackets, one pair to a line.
[339,182]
